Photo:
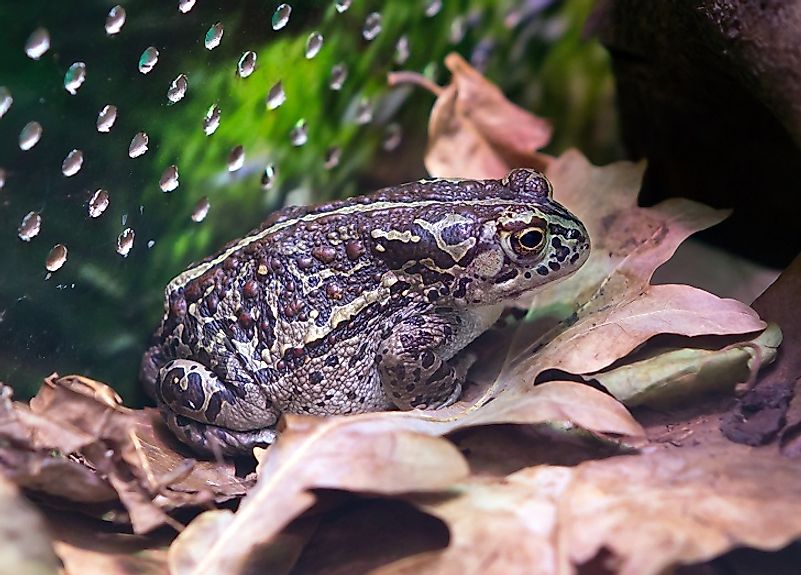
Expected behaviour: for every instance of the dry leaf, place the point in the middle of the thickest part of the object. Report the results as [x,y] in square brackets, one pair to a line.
[649,512]
[25,546]
[475,132]
[340,453]
[670,376]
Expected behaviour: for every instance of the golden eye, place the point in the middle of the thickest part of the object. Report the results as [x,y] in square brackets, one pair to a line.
[528,240]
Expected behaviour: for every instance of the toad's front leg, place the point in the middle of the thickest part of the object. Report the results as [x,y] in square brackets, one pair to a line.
[209,415]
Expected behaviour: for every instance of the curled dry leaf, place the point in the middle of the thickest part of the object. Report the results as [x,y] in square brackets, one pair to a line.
[475,132]
[669,376]
[650,512]
[25,546]
[338,453]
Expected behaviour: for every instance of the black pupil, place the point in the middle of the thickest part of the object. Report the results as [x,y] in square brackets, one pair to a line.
[531,239]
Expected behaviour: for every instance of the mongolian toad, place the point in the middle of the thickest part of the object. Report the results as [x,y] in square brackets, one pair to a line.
[353,306]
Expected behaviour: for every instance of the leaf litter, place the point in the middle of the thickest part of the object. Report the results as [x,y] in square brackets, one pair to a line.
[539,468]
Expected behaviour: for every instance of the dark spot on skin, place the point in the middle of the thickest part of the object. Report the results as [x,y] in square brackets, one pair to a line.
[542,270]
[192,292]
[331,360]
[325,254]
[245,319]
[182,421]
[333,291]
[230,264]
[506,276]
[315,377]
[275,265]
[410,387]
[527,275]
[212,301]
[214,407]
[574,258]
[427,358]
[561,251]
[194,395]
[177,304]
[351,395]
[554,266]
[432,295]
[354,249]
[250,289]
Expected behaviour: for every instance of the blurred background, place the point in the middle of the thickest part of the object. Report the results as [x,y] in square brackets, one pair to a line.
[136,137]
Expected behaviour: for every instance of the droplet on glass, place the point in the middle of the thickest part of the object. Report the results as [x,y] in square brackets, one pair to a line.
[268,177]
[299,134]
[402,50]
[342,5]
[201,210]
[106,118]
[246,64]
[3,176]
[5,100]
[151,243]
[213,36]
[236,158]
[364,112]
[177,89]
[276,96]
[98,203]
[38,43]
[332,156]
[314,44]
[458,30]
[148,60]
[392,137]
[56,258]
[281,16]
[30,135]
[30,226]
[212,120]
[372,26]
[185,6]
[75,76]
[169,179]
[115,20]
[138,145]
[339,73]
[433,7]
[72,163]
[125,242]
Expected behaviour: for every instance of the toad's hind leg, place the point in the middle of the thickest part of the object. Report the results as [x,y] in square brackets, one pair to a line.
[209,415]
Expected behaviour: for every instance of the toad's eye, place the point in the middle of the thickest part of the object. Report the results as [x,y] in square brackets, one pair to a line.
[528,240]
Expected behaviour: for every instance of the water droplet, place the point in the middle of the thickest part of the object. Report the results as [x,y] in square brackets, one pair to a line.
[393,136]
[98,203]
[364,112]
[151,243]
[177,89]
[125,242]
[236,158]
[212,120]
[402,50]
[314,44]
[148,60]
[458,30]
[138,145]
[299,134]
[372,26]
[201,210]
[5,100]
[38,43]
[185,6]
[30,135]
[281,16]
[3,176]
[75,76]
[276,96]
[268,177]
[332,156]
[433,7]
[30,227]
[56,258]
[169,179]
[106,118]
[339,74]
[72,163]
[246,64]
[342,5]
[214,36]
[115,20]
